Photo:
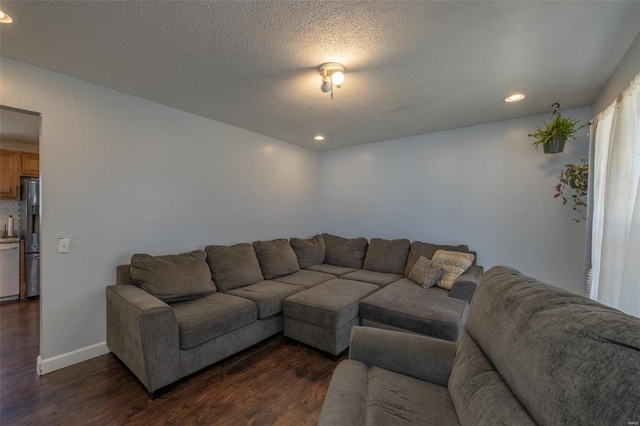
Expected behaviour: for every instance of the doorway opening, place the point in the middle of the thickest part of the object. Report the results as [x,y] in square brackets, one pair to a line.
[20,237]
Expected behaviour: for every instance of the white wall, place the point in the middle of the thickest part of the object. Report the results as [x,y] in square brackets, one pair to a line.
[483,186]
[122,175]
[625,71]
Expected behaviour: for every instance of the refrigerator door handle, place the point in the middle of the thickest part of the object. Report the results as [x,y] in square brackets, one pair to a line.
[38,257]
[8,247]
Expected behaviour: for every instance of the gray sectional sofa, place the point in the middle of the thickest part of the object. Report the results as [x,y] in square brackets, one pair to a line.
[529,354]
[170,316]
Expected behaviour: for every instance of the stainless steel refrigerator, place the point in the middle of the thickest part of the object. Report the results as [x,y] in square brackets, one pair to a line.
[30,233]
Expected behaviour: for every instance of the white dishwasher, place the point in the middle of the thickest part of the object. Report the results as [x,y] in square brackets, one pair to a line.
[9,271]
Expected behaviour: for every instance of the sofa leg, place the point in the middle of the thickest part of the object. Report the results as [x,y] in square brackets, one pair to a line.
[291,341]
[159,392]
[333,357]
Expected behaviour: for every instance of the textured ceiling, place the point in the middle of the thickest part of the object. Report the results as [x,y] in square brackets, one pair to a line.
[411,67]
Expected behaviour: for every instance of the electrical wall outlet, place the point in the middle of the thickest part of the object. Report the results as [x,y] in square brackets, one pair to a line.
[63,245]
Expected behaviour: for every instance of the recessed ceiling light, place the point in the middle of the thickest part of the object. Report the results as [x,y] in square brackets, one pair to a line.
[4,18]
[318,138]
[514,98]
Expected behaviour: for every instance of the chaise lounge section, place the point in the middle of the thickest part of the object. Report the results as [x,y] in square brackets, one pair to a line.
[435,311]
[396,304]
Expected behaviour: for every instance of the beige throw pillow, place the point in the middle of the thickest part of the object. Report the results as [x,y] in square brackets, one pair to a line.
[454,263]
[426,272]
[419,249]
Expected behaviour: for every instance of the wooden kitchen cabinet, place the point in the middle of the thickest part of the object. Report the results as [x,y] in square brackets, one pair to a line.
[29,164]
[14,164]
[9,175]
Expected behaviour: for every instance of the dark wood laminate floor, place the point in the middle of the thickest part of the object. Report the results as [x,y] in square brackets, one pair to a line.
[272,383]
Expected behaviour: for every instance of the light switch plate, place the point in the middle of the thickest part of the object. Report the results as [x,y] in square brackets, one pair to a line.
[63,245]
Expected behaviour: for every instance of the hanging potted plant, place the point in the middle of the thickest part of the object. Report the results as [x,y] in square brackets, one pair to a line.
[555,133]
[574,177]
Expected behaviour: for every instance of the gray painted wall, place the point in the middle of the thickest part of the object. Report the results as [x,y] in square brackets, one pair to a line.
[484,186]
[122,175]
[626,70]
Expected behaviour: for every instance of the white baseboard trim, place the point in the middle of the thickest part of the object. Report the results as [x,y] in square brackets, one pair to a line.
[48,365]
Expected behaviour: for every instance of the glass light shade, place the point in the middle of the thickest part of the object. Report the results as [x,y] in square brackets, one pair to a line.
[337,78]
[4,18]
[514,98]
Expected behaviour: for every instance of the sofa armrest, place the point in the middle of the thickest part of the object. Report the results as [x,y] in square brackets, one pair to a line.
[143,332]
[466,284]
[422,357]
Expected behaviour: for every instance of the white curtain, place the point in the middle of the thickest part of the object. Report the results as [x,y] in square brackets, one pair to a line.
[615,252]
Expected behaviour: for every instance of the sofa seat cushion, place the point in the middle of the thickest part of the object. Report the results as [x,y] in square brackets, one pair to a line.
[208,317]
[378,278]
[347,252]
[360,395]
[267,295]
[325,268]
[276,258]
[406,305]
[331,304]
[396,399]
[305,278]
[388,256]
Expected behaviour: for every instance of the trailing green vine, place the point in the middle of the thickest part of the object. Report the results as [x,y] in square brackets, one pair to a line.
[576,178]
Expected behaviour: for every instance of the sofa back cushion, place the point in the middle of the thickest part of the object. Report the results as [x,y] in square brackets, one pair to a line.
[174,277]
[388,256]
[420,249]
[346,252]
[568,359]
[233,266]
[309,251]
[276,258]
[479,394]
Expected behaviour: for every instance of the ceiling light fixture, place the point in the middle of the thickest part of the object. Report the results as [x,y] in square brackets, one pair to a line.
[4,18]
[514,98]
[332,74]
[318,138]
